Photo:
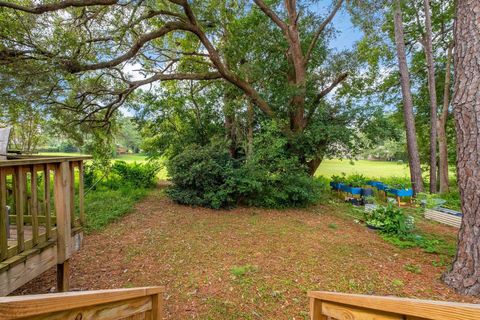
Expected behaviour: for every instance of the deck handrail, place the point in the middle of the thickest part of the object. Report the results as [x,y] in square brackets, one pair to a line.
[136,303]
[340,306]
[21,160]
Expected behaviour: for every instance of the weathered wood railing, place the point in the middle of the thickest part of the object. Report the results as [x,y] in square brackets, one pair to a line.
[340,306]
[40,206]
[125,304]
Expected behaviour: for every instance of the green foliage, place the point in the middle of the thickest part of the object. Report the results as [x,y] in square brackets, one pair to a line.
[390,220]
[271,177]
[201,176]
[105,205]
[413,268]
[397,182]
[138,175]
[356,180]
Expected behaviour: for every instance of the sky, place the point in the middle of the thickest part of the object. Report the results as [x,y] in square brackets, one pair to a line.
[348,33]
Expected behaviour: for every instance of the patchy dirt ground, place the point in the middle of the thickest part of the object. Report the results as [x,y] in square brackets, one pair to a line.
[249,263]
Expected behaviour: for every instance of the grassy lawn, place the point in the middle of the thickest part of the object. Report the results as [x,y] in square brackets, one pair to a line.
[328,167]
[250,263]
[369,168]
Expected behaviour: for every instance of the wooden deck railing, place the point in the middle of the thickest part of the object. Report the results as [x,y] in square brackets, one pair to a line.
[41,205]
[125,304]
[340,306]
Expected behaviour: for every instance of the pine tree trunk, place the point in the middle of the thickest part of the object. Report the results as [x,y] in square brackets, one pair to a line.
[442,124]
[465,273]
[433,97]
[413,156]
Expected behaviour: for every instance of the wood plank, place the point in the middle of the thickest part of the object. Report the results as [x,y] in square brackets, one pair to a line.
[3,216]
[34,206]
[62,207]
[427,309]
[63,276]
[81,192]
[19,195]
[316,310]
[46,201]
[345,312]
[15,161]
[21,273]
[18,307]
[107,311]
[72,193]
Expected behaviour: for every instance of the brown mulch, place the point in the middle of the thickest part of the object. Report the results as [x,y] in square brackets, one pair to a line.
[248,263]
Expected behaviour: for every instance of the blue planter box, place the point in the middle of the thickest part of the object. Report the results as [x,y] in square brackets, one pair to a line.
[336,185]
[354,190]
[351,190]
[380,186]
[401,192]
[374,183]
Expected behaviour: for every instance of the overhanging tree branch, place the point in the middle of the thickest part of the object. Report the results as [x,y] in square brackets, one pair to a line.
[272,15]
[74,67]
[320,29]
[43,8]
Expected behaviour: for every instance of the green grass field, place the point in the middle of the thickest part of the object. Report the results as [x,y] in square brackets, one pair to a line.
[329,167]
[369,168]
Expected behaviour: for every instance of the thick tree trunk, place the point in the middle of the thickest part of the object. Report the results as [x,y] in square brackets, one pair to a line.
[413,156]
[313,165]
[442,134]
[433,97]
[465,273]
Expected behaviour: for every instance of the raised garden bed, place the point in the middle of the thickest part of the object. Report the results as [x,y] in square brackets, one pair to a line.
[446,216]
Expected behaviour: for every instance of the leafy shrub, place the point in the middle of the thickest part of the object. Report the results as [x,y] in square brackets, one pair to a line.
[273,177]
[201,176]
[356,180]
[390,220]
[397,182]
[139,175]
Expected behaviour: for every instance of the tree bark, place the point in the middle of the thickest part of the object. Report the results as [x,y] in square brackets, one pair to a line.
[433,97]
[442,134]
[465,274]
[412,146]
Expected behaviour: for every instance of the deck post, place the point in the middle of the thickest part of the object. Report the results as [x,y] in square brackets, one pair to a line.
[316,309]
[63,182]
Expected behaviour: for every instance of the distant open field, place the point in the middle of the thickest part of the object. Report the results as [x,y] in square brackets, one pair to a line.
[369,168]
[329,167]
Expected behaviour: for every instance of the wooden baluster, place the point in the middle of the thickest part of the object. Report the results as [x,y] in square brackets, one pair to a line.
[72,193]
[34,206]
[81,193]
[3,215]
[19,176]
[46,197]
[64,215]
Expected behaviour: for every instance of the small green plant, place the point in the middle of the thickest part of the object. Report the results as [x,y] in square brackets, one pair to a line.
[390,220]
[333,226]
[398,182]
[338,179]
[397,283]
[428,200]
[356,180]
[241,271]
[413,268]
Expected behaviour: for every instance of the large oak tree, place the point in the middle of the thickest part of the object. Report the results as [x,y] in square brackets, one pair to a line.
[85,47]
